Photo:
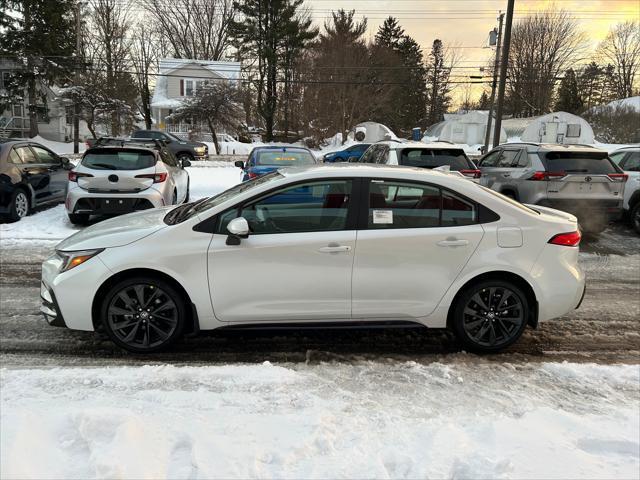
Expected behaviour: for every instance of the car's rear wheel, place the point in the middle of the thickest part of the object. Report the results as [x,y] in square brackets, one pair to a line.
[184,156]
[19,206]
[635,217]
[490,316]
[143,315]
[79,218]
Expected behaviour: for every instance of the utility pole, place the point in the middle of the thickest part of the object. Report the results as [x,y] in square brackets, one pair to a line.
[76,105]
[494,84]
[503,72]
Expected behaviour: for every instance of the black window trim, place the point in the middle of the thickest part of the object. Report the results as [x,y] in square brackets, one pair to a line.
[211,224]
[483,214]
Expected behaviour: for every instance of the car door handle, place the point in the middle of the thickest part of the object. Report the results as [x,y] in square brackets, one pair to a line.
[335,249]
[453,243]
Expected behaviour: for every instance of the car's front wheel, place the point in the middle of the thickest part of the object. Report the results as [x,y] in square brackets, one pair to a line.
[635,217]
[143,315]
[491,315]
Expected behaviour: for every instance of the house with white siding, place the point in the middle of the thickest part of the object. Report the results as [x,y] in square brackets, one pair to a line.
[177,80]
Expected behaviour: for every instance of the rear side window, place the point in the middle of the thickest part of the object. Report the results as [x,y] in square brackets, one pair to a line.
[409,205]
[26,155]
[595,163]
[108,159]
[14,158]
[141,134]
[432,158]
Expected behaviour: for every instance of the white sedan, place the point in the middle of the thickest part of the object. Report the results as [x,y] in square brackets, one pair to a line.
[339,244]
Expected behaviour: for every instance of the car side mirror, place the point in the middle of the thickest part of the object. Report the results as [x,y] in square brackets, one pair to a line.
[186,163]
[353,159]
[239,164]
[66,163]
[238,228]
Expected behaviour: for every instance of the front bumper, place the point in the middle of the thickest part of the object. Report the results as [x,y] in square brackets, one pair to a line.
[49,307]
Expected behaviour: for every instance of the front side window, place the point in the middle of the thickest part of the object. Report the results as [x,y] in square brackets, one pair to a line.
[310,207]
[368,155]
[491,160]
[395,204]
[508,159]
[631,163]
[44,156]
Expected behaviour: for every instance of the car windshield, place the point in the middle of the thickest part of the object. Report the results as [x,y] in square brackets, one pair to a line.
[118,159]
[188,210]
[435,157]
[595,163]
[284,158]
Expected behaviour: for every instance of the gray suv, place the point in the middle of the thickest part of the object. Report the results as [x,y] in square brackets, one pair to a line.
[182,149]
[578,179]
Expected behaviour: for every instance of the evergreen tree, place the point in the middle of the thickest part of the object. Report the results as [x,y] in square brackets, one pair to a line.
[265,30]
[390,34]
[484,103]
[39,35]
[568,97]
[438,84]
[590,85]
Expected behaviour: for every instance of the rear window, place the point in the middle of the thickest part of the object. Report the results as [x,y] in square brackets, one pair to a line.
[432,158]
[108,159]
[285,158]
[595,163]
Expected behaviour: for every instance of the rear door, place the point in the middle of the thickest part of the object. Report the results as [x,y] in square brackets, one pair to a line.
[631,166]
[416,240]
[582,176]
[505,172]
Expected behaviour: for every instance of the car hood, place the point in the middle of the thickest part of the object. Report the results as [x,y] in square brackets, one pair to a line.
[117,231]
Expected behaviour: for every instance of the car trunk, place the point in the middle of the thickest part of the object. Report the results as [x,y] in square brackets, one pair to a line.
[118,171]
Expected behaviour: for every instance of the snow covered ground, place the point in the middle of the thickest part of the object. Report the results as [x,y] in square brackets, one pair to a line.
[469,419]
[52,224]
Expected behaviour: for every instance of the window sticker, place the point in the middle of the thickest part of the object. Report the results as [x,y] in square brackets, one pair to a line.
[383,216]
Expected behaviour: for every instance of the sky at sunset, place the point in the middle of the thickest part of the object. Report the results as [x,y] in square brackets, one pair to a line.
[466,23]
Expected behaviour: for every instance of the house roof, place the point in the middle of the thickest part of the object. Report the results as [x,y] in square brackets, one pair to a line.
[226,70]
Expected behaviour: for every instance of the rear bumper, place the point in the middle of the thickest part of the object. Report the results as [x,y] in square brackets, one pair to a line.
[593,211]
[82,202]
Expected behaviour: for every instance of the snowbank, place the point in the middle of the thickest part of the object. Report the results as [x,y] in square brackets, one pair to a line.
[61,148]
[370,420]
[52,224]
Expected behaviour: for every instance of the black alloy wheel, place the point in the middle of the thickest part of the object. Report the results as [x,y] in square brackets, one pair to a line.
[635,217]
[143,315]
[490,316]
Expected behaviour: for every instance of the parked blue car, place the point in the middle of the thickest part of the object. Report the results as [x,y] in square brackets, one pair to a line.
[343,155]
[263,160]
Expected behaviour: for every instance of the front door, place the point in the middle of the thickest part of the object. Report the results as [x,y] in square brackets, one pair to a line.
[418,239]
[296,263]
[58,176]
[34,173]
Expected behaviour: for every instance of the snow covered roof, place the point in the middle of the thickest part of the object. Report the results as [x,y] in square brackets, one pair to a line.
[630,102]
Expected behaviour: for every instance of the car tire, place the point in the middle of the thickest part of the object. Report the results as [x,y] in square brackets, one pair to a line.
[509,194]
[490,315]
[143,314]
[184,156]
[19,205]
[186,197]
[79,218]
[634,217]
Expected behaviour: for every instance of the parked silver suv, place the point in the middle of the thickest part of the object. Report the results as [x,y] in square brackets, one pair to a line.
[578,179]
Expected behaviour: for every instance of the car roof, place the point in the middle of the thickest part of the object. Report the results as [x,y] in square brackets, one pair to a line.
[280,147]
[398,145]
[553,146]
[365,170]
[627,148]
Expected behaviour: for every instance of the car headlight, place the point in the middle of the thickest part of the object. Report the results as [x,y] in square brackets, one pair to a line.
[73,259]
[200,150]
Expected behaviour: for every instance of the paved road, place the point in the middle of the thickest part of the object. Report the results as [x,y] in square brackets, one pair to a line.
[605,329]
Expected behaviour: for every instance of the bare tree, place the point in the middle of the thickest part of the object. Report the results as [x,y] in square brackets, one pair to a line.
[621,48]
[217,104]
[194,29]
[109,36]
[144,56]
[542,46]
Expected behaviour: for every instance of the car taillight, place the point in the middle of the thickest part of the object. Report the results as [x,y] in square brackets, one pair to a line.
[569,239]
[546,176]
[618,177]
[74,176]
[252,175]
[156,177]
[471,173]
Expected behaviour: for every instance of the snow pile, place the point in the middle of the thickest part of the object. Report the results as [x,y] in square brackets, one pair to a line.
[233,148]
[630,102]
[370,420]
[61,148]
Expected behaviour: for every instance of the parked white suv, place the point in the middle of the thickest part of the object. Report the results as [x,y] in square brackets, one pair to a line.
[437,155]
[339,244]
[116,179]
[628,159]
